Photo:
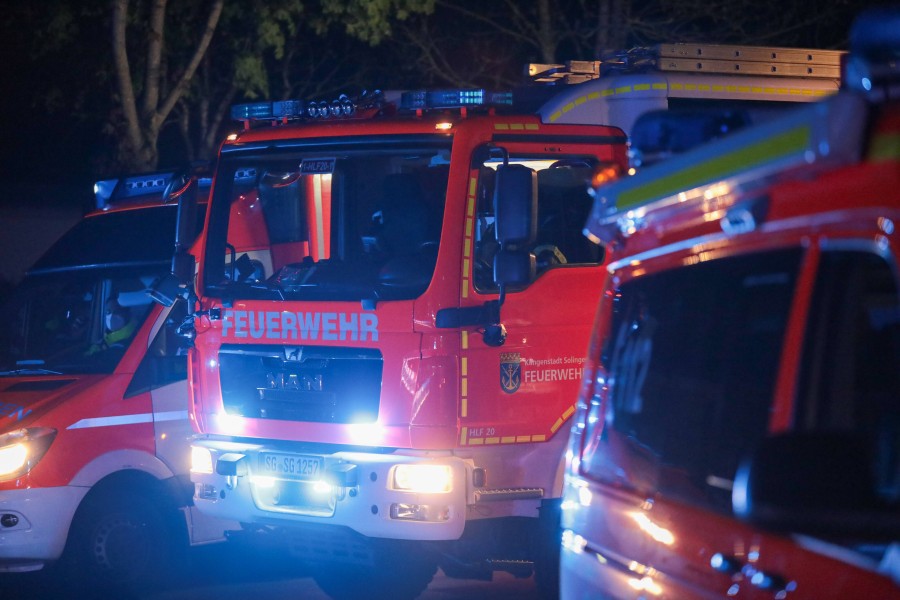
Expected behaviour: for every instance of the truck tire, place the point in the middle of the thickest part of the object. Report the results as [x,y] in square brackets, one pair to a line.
[399,573]
[121,543]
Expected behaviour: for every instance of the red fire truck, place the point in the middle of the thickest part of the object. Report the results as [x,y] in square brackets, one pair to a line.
[738,431]
[390,333]
[94,431]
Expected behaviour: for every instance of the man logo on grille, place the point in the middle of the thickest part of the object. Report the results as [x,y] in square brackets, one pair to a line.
[510,372]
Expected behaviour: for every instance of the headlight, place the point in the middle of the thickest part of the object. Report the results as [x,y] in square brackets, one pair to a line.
[201,460]
[21,450]
[422,479]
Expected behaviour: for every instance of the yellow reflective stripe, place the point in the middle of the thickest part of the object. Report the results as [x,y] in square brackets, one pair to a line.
[320,217]
[516,126]
[772,149]
[512,439]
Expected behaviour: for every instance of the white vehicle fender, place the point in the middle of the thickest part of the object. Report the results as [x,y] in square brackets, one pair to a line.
[121,460]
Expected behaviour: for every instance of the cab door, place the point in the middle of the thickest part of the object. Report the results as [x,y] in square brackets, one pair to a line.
[521,373]
[692,357]
[692,401]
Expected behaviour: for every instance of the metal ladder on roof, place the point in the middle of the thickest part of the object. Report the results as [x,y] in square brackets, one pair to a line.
[719,59]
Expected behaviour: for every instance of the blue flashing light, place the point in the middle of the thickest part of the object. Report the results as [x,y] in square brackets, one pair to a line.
[280,109]
[256,110]
[109,191]
[425,99]
[288,109]
[103,191]
[342,106]
[317,110]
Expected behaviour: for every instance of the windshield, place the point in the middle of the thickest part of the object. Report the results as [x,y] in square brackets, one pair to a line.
[144,236]
[69,323]
[328,222]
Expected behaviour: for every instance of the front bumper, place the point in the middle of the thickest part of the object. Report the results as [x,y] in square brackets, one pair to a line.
[34,525]
[349,489]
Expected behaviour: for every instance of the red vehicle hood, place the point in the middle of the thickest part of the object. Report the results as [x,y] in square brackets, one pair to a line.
[25,399]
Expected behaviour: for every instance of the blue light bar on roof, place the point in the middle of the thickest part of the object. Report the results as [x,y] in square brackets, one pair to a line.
[109,191]
[342,106]
[425,99]
[279,109]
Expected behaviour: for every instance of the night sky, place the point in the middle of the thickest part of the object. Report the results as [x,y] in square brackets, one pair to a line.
[58,97]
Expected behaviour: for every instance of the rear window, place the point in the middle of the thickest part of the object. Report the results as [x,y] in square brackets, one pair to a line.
[692,357]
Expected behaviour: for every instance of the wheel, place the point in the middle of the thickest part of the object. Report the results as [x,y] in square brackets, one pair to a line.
[399,572]
[121,543]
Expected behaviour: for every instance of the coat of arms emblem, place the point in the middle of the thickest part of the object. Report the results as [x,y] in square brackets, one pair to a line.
[510,371]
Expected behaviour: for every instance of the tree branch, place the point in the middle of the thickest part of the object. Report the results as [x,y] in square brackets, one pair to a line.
[181,87]
[123,75]
[154,58]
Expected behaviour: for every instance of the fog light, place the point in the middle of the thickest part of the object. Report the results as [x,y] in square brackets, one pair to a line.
[205,491]
[9,520]
[422,479]
[420,512]
[201,460]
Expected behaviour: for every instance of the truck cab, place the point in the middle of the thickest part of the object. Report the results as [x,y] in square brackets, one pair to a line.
[94,431]
[391,338]
[738,430]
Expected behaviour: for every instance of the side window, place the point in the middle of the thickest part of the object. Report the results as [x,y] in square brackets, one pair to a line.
[851,377]
[693,357]
[563,208]
[166,358]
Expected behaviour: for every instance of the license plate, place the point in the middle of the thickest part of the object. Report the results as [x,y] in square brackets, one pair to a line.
[291,466]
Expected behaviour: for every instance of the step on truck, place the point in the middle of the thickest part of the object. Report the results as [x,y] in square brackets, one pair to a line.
[94,431]
[738,431]
[382,378]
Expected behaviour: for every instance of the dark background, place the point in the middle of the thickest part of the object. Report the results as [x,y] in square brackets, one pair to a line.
[61,121]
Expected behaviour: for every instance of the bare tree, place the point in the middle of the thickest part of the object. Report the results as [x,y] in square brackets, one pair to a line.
[146,106]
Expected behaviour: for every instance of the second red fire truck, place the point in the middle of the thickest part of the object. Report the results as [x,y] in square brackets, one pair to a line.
[94,431]
[738,433]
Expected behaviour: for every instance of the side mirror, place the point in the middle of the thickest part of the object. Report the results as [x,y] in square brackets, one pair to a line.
[185,227]
[514,268]
[169,288]
[166,290]
[816,483]
[515,205]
